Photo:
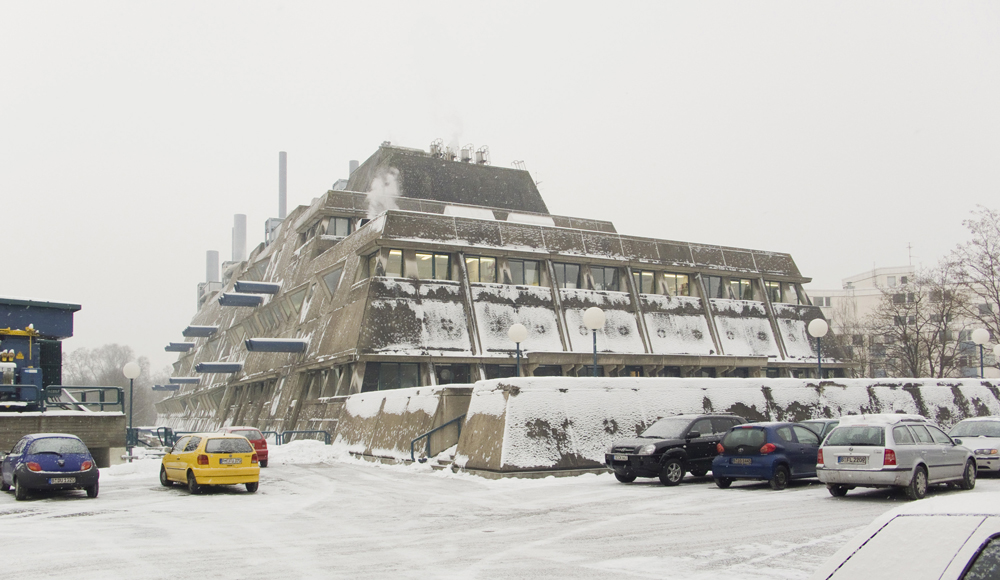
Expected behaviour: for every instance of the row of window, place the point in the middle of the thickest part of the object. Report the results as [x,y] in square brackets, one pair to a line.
[486,269]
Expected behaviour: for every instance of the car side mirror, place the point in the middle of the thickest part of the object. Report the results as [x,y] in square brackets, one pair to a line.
[957,441]
[693,435]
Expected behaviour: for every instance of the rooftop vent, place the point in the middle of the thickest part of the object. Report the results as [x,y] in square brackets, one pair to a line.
[483,155]
[466,154]
[437,148]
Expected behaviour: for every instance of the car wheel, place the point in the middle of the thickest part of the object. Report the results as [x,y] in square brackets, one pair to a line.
[193,486]
[699,472]
[625,476]
[92,490]
[837,490]
[20,492]
[252,486]
[969,477]
[917,488]
[164,480]
[780,478]
[672,472]
[4,486]
[723,482]
[263,463]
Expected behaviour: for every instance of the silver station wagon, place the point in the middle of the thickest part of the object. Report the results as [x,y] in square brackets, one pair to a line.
[892,450]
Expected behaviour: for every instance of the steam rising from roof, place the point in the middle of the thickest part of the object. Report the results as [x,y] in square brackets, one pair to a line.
[383,191]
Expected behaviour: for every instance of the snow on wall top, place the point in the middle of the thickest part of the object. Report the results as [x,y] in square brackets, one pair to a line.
[500,306]
[744,328]
[562,421]
[677,324]
[621,329]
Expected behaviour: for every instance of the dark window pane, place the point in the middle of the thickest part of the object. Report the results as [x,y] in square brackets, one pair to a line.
[987,563]
[388,377]
[332,279]
[409,375]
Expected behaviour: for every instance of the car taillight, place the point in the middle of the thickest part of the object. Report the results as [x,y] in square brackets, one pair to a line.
[819,457]
[889,458]
[203,460]
[86,465]
[767,448]
[33,466]
[720,448]
[253,458]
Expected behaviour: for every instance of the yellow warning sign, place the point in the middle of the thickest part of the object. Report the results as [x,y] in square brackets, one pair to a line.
[20,356]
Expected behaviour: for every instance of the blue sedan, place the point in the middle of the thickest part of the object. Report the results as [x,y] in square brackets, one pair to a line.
[776,452]
[49,461]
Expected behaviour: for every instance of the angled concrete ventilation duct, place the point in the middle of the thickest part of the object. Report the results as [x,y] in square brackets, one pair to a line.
[167,387]
[277,344]
[179,346]
[243,300]
[199,331]
[185,380]
[218,367]
[257,287]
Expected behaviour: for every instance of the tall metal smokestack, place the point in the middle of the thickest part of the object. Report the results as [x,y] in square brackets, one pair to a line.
[282,183]
[212,266]
[354,167]
[239,237]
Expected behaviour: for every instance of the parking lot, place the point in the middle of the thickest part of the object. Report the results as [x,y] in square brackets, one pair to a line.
[321,514]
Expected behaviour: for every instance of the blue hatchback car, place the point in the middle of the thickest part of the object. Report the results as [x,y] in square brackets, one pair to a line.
[49,461]
[776,452]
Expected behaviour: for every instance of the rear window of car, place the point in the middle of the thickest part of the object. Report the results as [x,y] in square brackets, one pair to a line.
[858,436]
[976,429]
[753,436]
[228,445]
[61,445]
[251,434]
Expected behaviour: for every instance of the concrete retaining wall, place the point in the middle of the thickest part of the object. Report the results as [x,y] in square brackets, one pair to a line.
[383,423]
[103,433]
[528,425]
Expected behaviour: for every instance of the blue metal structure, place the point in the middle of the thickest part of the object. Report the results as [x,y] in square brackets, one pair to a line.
[199,331]
[277,344]
[257,287]
[179,346]
[30,348]
[243,300]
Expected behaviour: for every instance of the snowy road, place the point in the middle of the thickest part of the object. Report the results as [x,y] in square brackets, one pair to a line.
[321,515]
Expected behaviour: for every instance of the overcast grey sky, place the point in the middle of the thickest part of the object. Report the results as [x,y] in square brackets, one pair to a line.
[130,133]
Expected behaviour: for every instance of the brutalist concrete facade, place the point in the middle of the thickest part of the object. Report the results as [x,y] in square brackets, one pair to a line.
[388,287]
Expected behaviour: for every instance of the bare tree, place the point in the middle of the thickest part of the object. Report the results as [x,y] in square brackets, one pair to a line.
[102,366]
[852,342]
[916,325]
[977,263]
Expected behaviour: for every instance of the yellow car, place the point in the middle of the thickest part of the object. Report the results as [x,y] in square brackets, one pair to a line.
[201,459]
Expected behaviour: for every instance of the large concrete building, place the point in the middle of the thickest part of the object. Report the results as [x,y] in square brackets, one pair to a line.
[412,272]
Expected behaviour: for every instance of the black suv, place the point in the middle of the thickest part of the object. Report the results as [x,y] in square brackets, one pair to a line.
[670,447]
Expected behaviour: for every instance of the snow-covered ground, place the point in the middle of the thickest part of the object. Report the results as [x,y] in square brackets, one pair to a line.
[322,514]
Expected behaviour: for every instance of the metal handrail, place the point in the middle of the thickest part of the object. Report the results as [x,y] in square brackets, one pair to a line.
[456,420]
[22,394]
[326,435]
[277,436]
[53,396]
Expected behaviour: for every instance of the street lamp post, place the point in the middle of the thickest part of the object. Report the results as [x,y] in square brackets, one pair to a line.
[980,336]
[593,318]
[817,329]
[131,371]
[517,334]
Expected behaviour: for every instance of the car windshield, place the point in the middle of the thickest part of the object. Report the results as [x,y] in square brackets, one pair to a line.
[976,429]
[857,436]
[60,445]
[251,434]
[753,437]
[229,445]
[671,428]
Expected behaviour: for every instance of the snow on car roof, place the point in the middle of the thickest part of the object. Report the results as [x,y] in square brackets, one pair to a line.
[880,419]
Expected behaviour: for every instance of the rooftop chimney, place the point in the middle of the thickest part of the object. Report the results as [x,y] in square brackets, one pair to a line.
[239,237]
[354,167]
[212,266]
[282,183]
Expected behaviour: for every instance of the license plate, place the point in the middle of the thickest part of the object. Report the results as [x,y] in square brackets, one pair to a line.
[58,480]
[855,460]
[621,457]
[231,460]
[740,461]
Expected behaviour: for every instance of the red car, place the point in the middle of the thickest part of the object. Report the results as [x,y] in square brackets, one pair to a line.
[255,437]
